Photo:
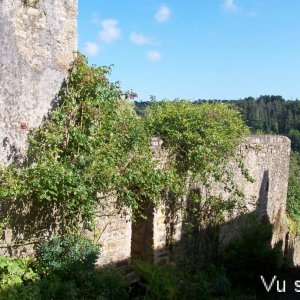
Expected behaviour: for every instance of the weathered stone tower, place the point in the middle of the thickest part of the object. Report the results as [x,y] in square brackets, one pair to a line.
[38,41]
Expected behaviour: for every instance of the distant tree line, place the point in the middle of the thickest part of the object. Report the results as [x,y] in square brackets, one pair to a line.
[269,114]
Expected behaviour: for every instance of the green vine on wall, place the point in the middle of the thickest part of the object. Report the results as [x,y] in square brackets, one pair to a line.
[201,140]
[93,147]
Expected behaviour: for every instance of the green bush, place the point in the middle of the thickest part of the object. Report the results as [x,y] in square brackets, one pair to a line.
[18,280]
[159,282]
[244,257]
[182,282]
[68,256]
[200,136]
[70,271]
[105,285]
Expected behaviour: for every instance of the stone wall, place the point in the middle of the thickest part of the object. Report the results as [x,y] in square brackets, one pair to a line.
[37,46]
[267,159]
[113,232]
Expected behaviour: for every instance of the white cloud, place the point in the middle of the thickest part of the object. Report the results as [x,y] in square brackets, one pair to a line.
[154,55]
[110,31]
[140,39]
[163,14]
[91,49]
[230,6]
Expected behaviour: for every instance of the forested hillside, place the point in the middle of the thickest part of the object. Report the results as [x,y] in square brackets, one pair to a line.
[272,114]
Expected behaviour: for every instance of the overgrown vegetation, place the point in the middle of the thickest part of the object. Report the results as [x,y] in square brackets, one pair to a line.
[93,148]
[65,270]
[293,203]
[267,114]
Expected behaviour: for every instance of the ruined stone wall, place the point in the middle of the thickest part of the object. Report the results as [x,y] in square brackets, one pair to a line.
[37,46]
[267,159]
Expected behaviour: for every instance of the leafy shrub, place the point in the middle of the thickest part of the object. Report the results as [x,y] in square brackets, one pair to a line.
[197,281]
[244,257]
[68,256]
[70,271]
[201,136]
[159,282]
[105,285]
[17,279]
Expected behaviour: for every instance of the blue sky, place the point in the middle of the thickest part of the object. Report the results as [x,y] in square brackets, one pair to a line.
[208,49]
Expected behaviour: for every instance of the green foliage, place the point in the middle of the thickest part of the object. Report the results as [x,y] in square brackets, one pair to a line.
[68,256]
[24,279]
[193,280]
[294,135]
[17,279]
[159,282]
[244,257]
[96,284]
[201,140]
[108,284]
[201,137]
[265,114]
[91,146]
[293,198]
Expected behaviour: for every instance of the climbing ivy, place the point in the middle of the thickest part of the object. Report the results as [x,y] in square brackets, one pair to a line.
[93,148]
[202,141]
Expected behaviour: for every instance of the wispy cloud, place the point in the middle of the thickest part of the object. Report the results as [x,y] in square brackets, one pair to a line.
[163,14]
[154,56]
[140,39]
[230,6]
[110,31]
[92,49]
[252,14]
[95,18]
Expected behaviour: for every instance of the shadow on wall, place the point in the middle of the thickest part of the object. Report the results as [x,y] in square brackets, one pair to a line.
[29,222]
[209,241]
[204,242]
